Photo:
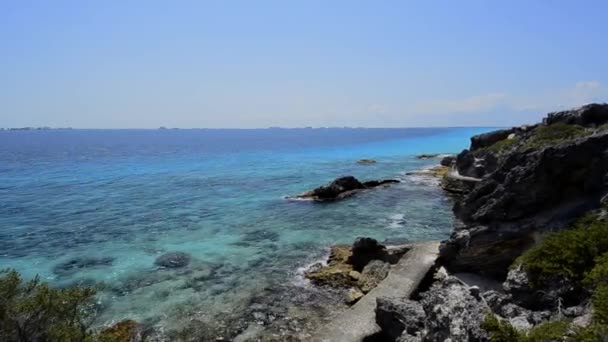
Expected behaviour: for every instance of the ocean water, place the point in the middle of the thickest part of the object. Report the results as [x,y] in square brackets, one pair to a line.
[99,206]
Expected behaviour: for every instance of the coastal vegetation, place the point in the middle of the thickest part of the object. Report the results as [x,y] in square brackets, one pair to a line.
[34,311]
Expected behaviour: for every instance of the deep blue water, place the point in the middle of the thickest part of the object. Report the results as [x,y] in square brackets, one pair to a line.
[127,196]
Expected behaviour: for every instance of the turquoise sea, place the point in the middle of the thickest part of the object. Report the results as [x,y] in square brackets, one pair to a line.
[99,206]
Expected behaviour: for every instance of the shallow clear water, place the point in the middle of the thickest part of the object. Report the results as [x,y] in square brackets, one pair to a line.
[121,198]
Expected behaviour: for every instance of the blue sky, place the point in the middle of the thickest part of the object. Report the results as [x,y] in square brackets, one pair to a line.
[145,64]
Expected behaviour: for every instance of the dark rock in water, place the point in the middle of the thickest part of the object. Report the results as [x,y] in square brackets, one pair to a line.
[427,156]
[375,183]
[364,250]
[448,161]
[533,189]
[173,260]
[336,273]
[75,265]
[373,273]
[399,316]
[366,162]
[341,188]
[591,114]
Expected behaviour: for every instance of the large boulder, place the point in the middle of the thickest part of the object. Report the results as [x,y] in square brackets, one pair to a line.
[453,312]
[399,316]
[364,250]
[535,188]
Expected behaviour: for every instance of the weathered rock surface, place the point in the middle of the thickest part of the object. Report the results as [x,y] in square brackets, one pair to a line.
[346,265]
[534,188]
[399,316]
[373,273]
[448,311]
[173,260]
[591,114]
[342,187]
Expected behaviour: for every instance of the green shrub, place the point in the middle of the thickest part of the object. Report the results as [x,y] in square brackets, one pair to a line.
[498,147]
[569,254]
[547,331]
[500,331]
[33,311]
[553,134]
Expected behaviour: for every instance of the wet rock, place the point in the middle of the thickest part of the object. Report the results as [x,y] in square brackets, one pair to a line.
[353,295]
[173,260]
[342,188]
[373,273]
[337,271]
[375,183]
[78,264]
[366,162]
[448,161]
[364,250]
[427,156]
[399,317]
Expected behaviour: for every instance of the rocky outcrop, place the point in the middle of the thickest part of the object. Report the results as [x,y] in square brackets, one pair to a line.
[591,114]
[427,156]
[449,311]
[540,183]
[366,162]
[342,187]
[360,266]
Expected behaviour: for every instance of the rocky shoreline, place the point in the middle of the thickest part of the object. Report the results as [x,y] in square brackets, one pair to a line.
[499,277]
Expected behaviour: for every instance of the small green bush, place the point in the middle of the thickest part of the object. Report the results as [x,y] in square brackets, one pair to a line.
[33,311]
[500,331]
[547,331]
[569,254]
[553,134]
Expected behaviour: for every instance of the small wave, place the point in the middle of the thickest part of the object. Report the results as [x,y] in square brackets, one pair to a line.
[422,176]
[396,221]
[297,199]
[299,279]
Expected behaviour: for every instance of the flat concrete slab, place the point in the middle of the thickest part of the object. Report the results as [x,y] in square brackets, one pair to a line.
[359,321]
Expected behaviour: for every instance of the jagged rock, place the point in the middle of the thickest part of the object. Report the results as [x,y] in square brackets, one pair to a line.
[534,189]
[591,114]
[399,317]
[342,187]
[448,161]
[173,260]
[427,156]
[364,250]
[375,183]
[490,138]
[458,185]
[373,273]
[453,313]
[337,271]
